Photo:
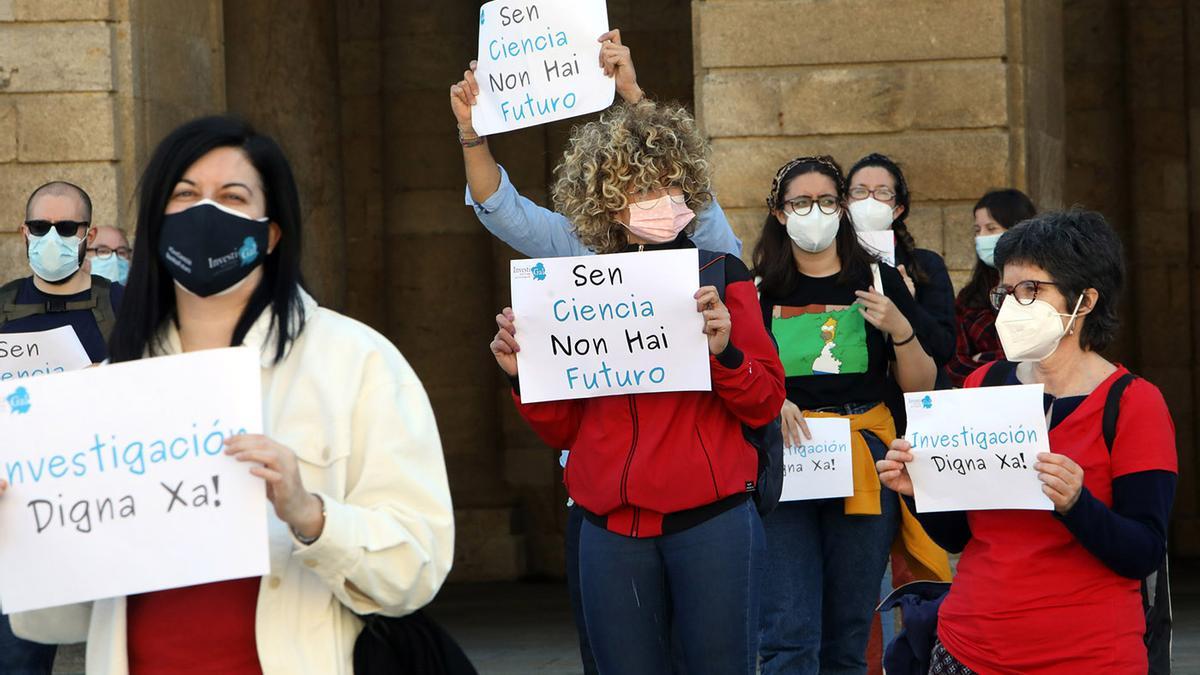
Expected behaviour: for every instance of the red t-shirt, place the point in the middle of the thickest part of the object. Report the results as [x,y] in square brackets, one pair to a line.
[197,630]
[1028,598]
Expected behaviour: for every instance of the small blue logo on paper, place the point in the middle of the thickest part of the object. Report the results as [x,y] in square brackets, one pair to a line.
[927,402]
[481,17]
[539,272]
[18,401]
[248,252]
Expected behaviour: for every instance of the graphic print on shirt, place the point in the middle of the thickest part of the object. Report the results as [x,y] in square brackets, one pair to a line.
[820,339]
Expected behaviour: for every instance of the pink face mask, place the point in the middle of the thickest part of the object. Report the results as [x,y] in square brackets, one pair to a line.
[659,220]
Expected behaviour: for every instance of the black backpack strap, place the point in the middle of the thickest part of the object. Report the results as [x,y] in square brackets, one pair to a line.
[9,309]
[102,306]
[712,271]
[998,374]
[1112,409]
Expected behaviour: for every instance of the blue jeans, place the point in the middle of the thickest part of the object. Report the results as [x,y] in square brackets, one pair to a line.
[700,584]
[21,657]
[574,524]
[821,584]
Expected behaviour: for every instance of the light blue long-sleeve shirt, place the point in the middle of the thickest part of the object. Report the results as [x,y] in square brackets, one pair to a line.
[538,232]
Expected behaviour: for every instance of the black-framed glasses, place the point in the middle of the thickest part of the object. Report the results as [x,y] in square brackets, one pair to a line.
[1024,291]
[103,252]
[882,193]
[803,205]
[65,228]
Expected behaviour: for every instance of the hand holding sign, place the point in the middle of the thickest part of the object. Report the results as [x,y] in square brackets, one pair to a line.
[504,345]
[617,62]
[1062,478]
[294,505]
[716,319]
[893,469]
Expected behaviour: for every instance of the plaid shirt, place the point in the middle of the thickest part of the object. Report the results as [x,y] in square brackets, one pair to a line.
[976,328]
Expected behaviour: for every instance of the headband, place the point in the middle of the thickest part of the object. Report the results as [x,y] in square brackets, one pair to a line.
[823,160]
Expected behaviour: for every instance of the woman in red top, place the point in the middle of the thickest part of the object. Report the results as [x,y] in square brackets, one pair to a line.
[1058,591]
[976,342]
[672,546]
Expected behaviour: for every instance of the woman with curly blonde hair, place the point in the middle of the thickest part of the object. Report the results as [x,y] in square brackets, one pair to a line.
[672,544]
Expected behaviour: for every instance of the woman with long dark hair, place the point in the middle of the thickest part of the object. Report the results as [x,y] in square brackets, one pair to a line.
[846,325]
[977,343]
[350,456]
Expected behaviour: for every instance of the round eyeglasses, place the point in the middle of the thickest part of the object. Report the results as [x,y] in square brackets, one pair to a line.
[1025,292]
[803,205]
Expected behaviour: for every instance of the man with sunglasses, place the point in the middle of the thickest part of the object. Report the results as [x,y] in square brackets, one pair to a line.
[61,291]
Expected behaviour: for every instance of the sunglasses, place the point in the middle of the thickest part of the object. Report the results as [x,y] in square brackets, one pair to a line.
[66,228]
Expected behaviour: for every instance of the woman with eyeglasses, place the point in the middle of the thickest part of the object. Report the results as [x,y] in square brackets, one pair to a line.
[976,342]
[880,201]
[1058,591]
[846,326]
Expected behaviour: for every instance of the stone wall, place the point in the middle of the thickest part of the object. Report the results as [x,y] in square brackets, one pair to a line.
[87,87]
[934,85]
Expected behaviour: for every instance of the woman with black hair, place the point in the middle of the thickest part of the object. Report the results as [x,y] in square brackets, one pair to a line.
[841,338]
[1042,592]
[880,200]
[975,318]
[350,456]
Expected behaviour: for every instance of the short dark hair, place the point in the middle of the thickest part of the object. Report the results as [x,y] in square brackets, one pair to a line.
[150,295]
[1079,250]
[60,188]
[1007,206]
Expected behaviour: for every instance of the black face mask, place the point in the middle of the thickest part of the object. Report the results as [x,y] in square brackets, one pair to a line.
[208,248]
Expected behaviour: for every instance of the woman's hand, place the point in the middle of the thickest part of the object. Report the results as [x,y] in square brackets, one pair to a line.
[792,421]
[716,318]
[1062,479]
[504,345]
[893,469]
[882,313]
[617,61]
[278,466]
[463,95]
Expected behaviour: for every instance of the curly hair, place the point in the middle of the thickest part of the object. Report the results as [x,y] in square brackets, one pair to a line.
[631,148]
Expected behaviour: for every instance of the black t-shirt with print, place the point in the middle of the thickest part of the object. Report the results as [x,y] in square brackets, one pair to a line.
[831,355]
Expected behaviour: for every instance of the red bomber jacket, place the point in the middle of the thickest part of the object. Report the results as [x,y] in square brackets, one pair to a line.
[649,464]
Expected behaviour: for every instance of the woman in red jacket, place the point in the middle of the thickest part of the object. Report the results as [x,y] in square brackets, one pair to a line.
[672,543]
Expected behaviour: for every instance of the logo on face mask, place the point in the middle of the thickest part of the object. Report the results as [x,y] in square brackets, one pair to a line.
[18,401]
[249,251]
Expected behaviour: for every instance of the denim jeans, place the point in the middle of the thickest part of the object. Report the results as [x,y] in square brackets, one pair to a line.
[821,583]
[699,584]
[21,657]
[574,524]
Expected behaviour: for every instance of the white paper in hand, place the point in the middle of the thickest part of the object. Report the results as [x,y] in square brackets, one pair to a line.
[43,353]
[976,448]
[539,62]
[821,467]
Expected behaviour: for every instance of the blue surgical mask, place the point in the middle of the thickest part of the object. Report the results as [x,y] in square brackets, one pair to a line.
[985,248]
[114,268]
[54,258]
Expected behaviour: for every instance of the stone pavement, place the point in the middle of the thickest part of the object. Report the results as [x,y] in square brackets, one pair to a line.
[520,628]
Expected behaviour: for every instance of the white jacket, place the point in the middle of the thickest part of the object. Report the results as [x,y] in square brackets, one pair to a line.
[356,415]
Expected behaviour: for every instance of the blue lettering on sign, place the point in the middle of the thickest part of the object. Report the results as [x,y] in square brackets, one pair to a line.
[132,456]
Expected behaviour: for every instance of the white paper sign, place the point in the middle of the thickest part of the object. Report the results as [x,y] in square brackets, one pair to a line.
[43,353]
[880,244]
[821,467]
[976,448]
[539,61]
[118,483]
[624,323]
